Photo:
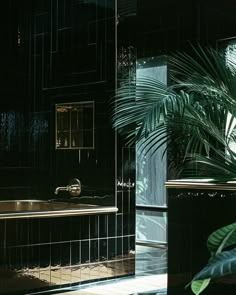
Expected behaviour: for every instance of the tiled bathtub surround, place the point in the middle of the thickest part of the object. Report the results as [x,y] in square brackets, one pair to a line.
[50,252]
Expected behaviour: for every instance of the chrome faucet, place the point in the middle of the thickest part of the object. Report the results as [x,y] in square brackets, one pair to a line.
[74,188]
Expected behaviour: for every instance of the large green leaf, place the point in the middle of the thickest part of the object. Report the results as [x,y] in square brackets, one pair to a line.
[199,286]
[222,237]
[221,264]
[218,265]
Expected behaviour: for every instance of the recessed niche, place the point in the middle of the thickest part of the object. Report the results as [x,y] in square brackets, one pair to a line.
[75,125]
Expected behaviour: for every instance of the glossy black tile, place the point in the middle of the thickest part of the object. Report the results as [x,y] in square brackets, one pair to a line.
[125,245]
[56,253]
[126,225]
[44,230]
[11,232]
[16,258]
[103,226]
[131,246]
[120,201]
[119,246]
[4,257]
[126,202]
[56,227]
[131,223]
[22,232]
[112,248]
[65,254]
[119,220]
[94,251]
[44,255]
[93,226]
[103,249]
[2,233]
[75,253]
[34,257]
[34,236]
[85,252]
[25,257]
[132,199]
[75,228]
[112,225]
[85,227]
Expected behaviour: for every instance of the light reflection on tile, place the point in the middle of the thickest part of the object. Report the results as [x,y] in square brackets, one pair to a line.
[56,275]
[85,273]
[75,274]
[34,273]
[126,286]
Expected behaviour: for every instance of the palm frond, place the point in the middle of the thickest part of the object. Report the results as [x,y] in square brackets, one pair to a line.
[194,119]
[142,106]
[207,73]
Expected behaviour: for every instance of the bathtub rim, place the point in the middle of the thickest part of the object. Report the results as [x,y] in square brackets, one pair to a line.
[89,209]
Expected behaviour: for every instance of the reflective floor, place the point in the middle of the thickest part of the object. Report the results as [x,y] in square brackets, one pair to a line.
[139,285]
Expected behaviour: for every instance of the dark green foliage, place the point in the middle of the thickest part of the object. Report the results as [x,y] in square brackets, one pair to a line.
[195,116]
[222,262]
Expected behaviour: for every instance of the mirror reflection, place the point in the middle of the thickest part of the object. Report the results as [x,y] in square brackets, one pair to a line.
[75,125]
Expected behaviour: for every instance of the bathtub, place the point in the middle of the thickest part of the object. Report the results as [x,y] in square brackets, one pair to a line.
[41,208]
[47,245]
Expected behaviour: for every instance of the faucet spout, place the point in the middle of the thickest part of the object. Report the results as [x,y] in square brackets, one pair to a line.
[74,188]
[60,188]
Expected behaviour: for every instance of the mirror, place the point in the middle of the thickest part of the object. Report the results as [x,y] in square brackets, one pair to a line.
[75,125]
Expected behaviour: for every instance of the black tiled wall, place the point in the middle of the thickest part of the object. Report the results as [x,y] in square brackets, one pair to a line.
[166,26]
[64,50]
[60,51]
[55,51]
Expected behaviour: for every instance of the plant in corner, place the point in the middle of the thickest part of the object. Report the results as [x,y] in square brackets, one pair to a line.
[221,245]
[195,118]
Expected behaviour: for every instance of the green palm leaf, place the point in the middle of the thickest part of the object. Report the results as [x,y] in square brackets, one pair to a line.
[207,73]
[194,119]
[139,108]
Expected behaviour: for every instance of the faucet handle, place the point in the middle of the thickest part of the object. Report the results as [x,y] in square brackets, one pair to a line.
[74,187]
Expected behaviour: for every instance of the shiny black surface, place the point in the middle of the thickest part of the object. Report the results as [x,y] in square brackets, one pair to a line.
[61,52]
[55,53]
[193,215]
[47,253]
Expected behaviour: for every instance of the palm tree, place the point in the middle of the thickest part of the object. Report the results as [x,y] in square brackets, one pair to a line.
[195,117]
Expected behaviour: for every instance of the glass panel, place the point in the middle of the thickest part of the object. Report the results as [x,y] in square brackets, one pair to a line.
[151,169]
[151,177]
[151,260]
[230,56]
[151,226]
